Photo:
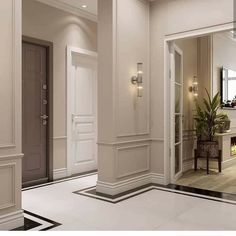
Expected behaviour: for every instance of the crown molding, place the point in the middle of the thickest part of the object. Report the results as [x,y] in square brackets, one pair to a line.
[68,8]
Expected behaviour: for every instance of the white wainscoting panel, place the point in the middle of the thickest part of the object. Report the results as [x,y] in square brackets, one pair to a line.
[7,183]
[132,160]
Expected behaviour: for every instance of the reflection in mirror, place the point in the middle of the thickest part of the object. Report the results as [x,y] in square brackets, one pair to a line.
[228,87]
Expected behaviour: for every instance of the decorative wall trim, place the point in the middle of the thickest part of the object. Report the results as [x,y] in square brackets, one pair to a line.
[157,178]
[59,137]
[11,157]
[116,83]
[69,8]
[124,142]
[147,168]
[12,220]
[14,39]
[59,173]
[122,186]
[132,135]
[132,183]
[12,201]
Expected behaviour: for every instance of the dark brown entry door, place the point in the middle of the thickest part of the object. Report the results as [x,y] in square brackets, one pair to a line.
[34,114]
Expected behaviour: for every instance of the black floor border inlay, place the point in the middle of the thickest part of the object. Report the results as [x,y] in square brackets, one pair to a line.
[79,176]
[31,224]
[177,189]
[28,224]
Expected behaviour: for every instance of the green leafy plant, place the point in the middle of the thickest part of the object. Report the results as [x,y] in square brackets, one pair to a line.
[207,119]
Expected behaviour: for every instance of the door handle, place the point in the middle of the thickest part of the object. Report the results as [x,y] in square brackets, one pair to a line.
[44,117]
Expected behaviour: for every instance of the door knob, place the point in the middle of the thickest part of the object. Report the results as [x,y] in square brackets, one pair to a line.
[44,117]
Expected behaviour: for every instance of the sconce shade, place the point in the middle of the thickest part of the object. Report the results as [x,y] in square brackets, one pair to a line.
[194,87]
[138,79]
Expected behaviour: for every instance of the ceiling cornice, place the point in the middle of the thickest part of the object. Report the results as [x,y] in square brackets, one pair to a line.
[72,9]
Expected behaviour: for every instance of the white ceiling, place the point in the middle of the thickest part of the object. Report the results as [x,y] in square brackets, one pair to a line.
[75,7]
[91,5]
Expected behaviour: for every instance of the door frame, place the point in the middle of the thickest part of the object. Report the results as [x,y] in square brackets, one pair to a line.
[167,88]
[82,52]
[49,47]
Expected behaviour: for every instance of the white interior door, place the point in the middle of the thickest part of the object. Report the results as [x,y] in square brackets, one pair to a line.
[82,112]
[176,111]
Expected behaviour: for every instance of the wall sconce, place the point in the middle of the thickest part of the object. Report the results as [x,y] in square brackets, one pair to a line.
[138,80]
[194,87]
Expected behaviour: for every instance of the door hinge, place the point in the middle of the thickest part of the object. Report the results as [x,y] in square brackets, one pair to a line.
[170,74]
[170,152]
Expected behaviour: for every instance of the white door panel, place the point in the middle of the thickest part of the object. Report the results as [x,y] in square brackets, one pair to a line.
[176,111]
[83,125]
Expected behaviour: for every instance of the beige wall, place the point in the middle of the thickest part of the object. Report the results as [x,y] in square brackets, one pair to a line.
[224,54]
[47,23]
[170,17]
[11,215]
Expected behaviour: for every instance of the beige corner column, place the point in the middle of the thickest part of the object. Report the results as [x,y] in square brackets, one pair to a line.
[11,215]
[124,143]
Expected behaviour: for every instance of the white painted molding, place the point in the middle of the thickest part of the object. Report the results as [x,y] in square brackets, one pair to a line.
[11,157]
[12,220]
[124,142]
[122,186]
[129,184]
[137,171]
[14,75]
[69,8]
[60,137]
[59,173]
[157,178]
[116,95]
[200,31]
[103,143]
[12,198]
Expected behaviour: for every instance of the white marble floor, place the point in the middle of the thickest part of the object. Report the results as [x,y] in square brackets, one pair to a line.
[153,210]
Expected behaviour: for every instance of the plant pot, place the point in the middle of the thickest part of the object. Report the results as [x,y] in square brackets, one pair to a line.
[208,147]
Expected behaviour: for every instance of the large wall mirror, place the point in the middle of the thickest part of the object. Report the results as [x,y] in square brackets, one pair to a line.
[228,87]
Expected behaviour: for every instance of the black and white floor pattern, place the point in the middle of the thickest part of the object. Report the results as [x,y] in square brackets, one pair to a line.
[76,205]
[34,222]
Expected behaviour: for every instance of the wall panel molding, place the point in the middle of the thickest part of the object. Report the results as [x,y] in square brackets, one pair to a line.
[12,220]
[12,201]
[123,142]
[126,151]
[59,173]
[14,61]
[117,96]
[129,184]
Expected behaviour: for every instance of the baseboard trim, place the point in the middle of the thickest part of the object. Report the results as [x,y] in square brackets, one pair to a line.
[12,220]
[59,173]
[187,165]
[157,178]
[129,184]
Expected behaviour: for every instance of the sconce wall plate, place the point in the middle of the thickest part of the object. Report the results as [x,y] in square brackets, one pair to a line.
[194,88]
[138,79]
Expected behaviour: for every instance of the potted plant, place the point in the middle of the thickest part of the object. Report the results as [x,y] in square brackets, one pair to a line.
[207,122]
